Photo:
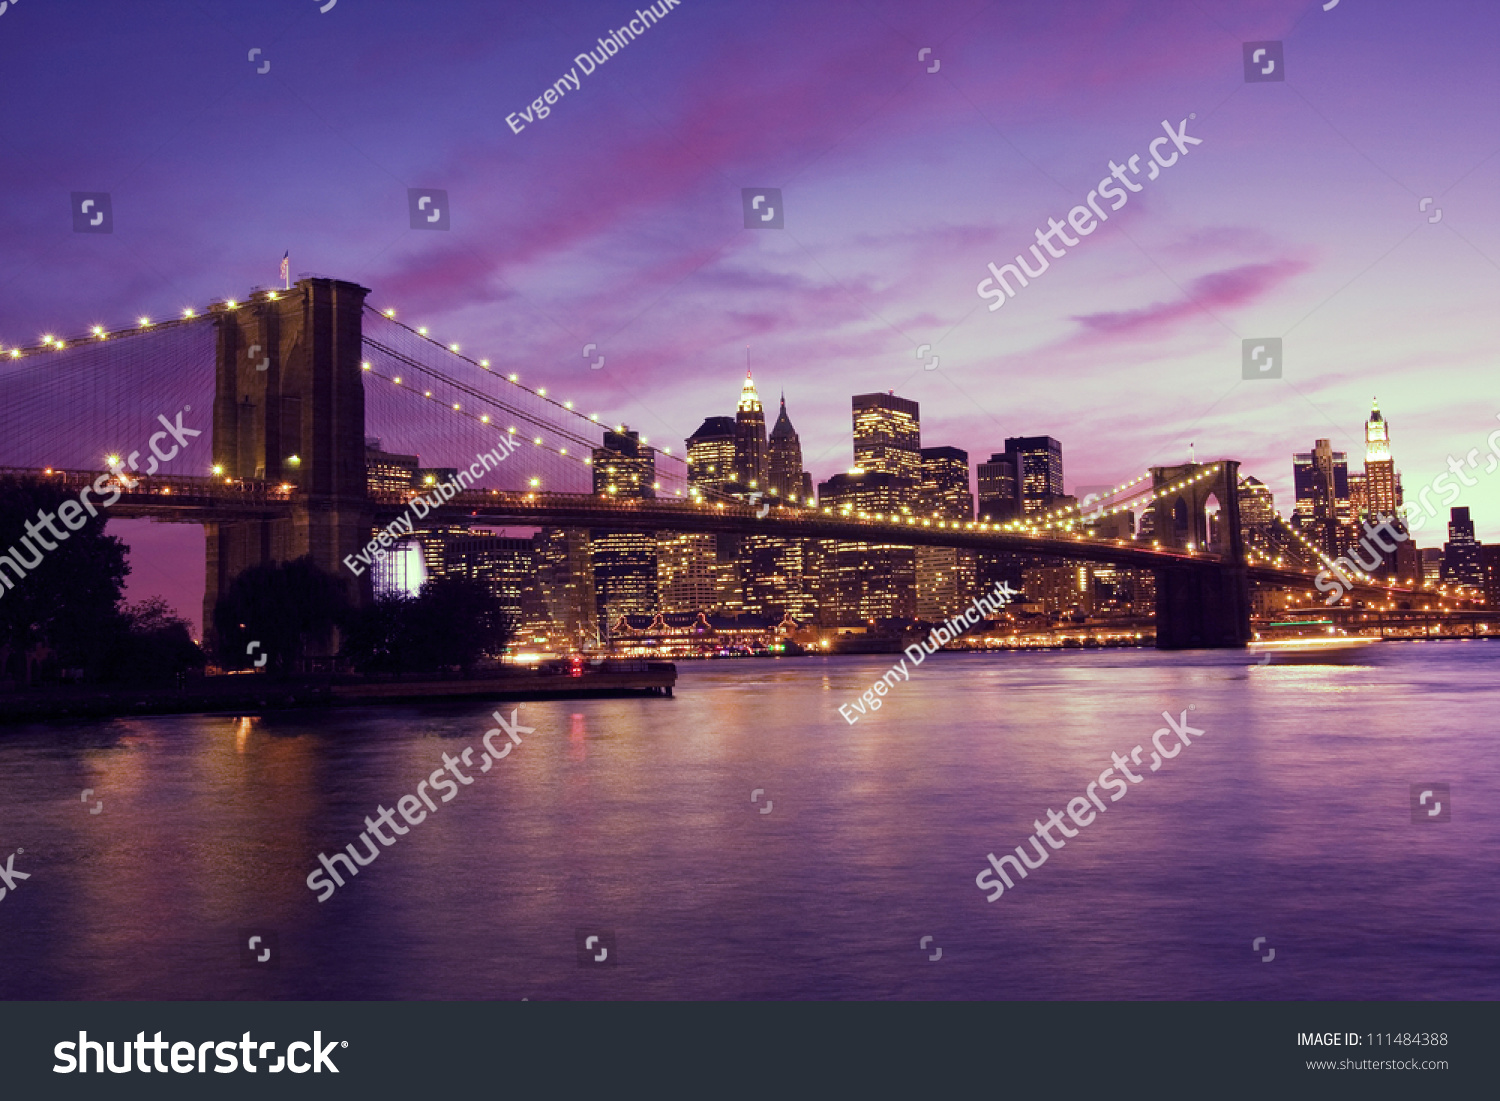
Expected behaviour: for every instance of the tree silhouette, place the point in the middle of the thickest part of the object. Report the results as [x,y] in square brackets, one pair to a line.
[66,605]
[453,622]
[284,607]
[154,647]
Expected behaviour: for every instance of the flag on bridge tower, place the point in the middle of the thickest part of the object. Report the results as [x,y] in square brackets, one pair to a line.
[286,269]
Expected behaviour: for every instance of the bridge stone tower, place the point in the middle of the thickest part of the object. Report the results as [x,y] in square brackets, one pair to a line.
[289,407]
[1202,606]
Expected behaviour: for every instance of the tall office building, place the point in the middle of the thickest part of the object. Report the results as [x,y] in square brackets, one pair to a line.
[1323,513]
[778,577]
[1359,498]
[863,582]
[1461,554]
[687,567]
[998,498]
[565,579]
[888,440]
[945,575]
[1258,514]
[710,455]
[1038,465]
[945,484]
[624,467]
[1380,467]
[624,562]
[506,566]
[784,461]
[388,473]
[749,439]
[1432,566]
[1489,560]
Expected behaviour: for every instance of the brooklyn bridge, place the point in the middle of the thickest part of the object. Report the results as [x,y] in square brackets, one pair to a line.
[287,385]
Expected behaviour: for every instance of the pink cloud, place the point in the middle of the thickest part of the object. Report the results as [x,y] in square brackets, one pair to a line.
[1208,294]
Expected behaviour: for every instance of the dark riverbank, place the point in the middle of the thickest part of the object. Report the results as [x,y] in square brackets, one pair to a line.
[254,693]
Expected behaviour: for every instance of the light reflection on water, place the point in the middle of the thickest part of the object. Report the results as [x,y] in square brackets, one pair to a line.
[1290,820]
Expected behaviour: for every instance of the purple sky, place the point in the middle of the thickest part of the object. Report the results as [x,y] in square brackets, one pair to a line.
[617,219]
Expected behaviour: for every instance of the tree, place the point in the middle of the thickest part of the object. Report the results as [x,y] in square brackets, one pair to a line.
[66,604]
[453,621]
[378,639]
[155,646]
[456,621]
[285,608]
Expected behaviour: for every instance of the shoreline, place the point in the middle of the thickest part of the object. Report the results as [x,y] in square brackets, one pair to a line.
[638,678]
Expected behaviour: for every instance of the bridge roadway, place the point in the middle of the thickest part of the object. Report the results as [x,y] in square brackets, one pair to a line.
[199,500]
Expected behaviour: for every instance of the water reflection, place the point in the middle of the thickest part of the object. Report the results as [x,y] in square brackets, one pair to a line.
[1289,819]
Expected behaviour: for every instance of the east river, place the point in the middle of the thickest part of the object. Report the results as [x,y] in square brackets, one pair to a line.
[644,823]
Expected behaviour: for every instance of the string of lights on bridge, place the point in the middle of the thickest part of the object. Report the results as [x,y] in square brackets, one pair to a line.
[514,379]
[49,343]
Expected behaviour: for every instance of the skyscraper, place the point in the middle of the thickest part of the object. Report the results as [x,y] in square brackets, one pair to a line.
[1038,465]
[1322,512]
[784,470]
[566,579]
[1461,554]
[749,439]
[624,562]
[888,440]
[998,499]
[1380,467]
[1257,513]
[506,566]
[687,571]
[1489,559]
[862,582]
[711,455]
[945,575]
[623,467]
[945,484]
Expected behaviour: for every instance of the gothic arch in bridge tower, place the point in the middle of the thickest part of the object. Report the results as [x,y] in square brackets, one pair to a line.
[1203,601]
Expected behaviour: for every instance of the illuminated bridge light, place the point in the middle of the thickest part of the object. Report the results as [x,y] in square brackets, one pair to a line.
[485,364]
[388,312]
[365,366]
[422,330]
[485,419]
